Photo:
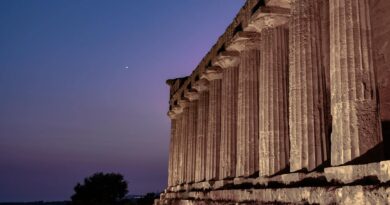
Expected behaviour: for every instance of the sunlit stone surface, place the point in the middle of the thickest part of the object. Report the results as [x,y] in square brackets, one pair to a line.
[273,102]
[229,109]
[307,90]
[355,108]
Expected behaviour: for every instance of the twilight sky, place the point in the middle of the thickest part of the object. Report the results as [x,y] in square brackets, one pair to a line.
[82,88]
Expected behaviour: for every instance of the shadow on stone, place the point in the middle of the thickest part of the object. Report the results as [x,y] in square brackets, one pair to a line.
[283,171]
[322,166]
[373,155]
[386,138]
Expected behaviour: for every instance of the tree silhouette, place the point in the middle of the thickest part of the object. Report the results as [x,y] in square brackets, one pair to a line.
[148,199]
[100,189]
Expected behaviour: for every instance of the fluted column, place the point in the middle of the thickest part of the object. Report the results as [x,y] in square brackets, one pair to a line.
[229,122]
[214,126]
[229,62]
[248,44]
[175,154]
[354,100]
[171,152]
[201,133]
[192,129]
[183,143]
[176,148]
[176,151]
[307,90]
[273,97]
[248,109]
[190,142]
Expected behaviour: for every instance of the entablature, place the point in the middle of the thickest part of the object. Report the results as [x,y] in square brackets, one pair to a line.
[224,52]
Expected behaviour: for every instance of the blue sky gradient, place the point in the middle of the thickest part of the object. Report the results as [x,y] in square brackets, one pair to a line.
[82,88]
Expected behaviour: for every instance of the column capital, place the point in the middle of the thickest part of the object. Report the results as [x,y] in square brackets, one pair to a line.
[245,40]
[279,3]
[212,73]
[201,85]
[177,109]
[268,17]
[191,94]
[172,114]
[227,59]
[183,102]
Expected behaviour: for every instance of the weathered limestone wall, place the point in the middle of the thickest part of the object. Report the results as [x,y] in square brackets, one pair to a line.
[349,195]
[352,184]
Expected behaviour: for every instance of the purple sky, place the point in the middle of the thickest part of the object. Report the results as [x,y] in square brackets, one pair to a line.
[69,106]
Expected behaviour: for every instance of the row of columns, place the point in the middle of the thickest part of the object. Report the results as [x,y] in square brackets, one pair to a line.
[263,106]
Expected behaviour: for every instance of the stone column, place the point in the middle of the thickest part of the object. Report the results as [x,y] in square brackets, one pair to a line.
[202,123]
[228,61]
[171,151]
[273,97]
[192,129]
[356,133]
[183,142]
[271,23]
[214,124]
[191,146]
[175,153]
[248,109]
[307,90]
[248,103]
[176,150]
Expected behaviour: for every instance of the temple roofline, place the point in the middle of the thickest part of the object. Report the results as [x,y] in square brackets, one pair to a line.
[240,22]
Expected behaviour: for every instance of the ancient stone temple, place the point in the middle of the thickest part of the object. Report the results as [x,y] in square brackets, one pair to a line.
[290,106]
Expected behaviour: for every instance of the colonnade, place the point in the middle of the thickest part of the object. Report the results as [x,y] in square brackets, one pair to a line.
[262,107]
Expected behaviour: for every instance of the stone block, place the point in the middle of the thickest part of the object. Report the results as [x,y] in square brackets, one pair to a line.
[291,178]
[384,171]
[279,3]
[201,186]
[287,179]
[352,173]
[301,195]
[221,183]
[187,187]
[241,181]
[262,181]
